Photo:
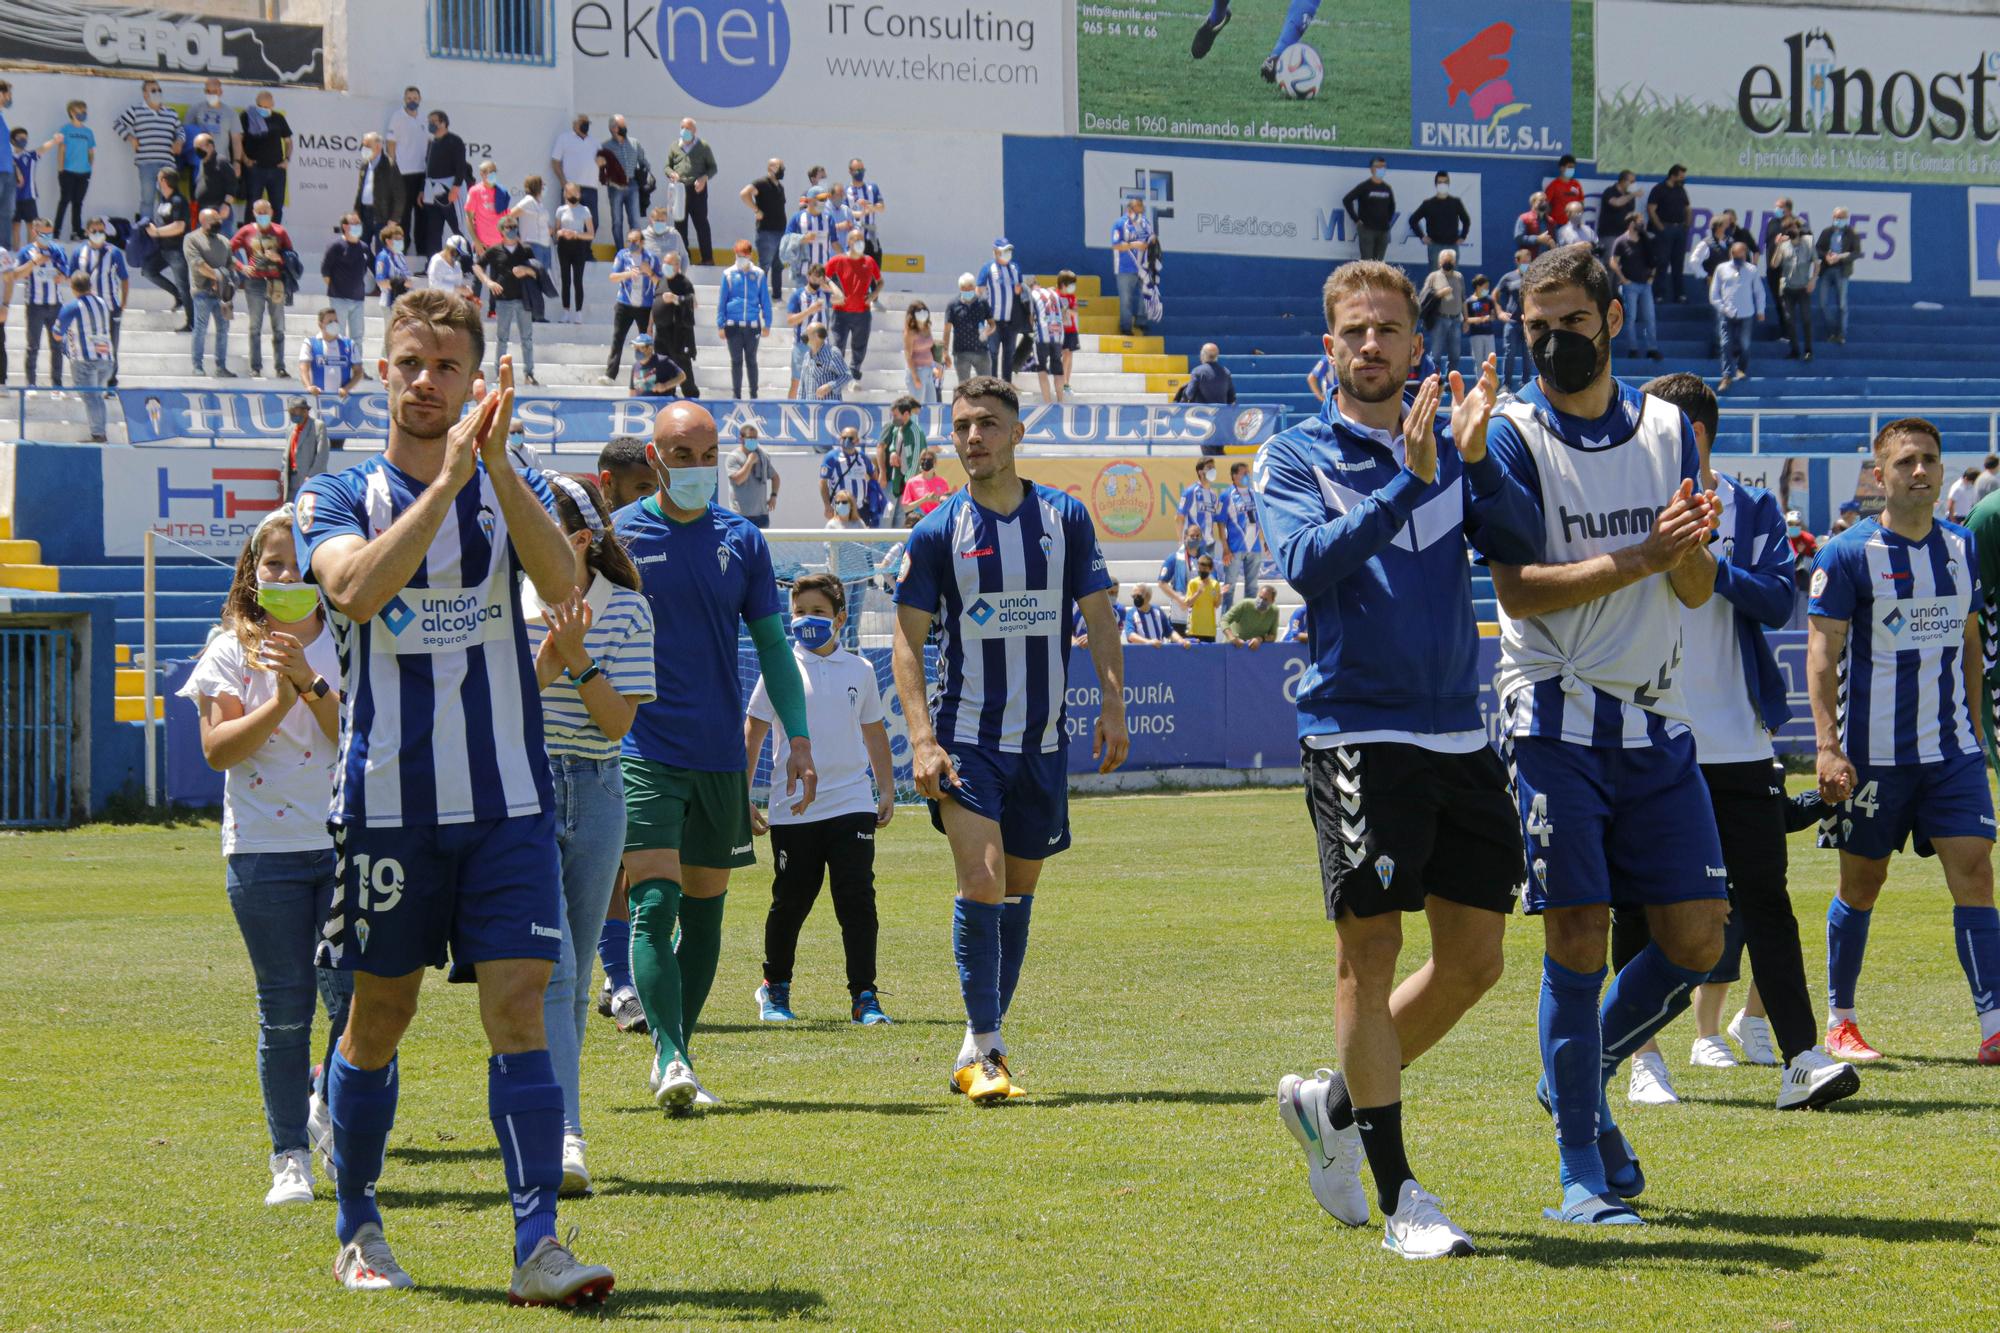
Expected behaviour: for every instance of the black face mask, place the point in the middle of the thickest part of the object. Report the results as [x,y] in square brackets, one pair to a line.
[778,175]
[1570,361]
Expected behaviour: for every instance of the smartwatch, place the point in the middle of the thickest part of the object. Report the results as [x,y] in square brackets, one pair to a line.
[320,688]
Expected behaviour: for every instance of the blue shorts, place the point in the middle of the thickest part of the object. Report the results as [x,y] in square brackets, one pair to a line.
[409,898]
[1027,795]
[1948,799]
[1608,825]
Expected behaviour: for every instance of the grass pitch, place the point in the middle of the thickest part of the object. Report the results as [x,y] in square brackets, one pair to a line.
[1180,964]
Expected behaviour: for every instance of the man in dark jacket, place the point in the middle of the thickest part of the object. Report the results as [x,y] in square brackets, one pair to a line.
[1838,247]
[1441,221]
[446,174]
[215,180]
[1209,382]
[378,189]
[1371,207]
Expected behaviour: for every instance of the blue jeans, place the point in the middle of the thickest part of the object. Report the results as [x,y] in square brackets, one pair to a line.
[587,196]
[1833,292]
[1238,566]
[531,292]
[1131,310]
[353,320]
[1512,350]
[624,208]
[1735,335]
[514,315]
[1639,315]
[1670,257]
[90,377]
[280,900]
[590,831]
[767,259]
[207,308]
[1446,341]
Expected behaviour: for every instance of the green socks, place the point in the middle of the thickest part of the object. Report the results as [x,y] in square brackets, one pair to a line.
[701,947]
[656,973]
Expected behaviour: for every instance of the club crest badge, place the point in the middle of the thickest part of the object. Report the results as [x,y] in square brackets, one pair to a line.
[361,935]
[1385,870]
[722,558]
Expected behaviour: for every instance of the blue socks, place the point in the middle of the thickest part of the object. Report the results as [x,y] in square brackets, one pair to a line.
[975,942]
[1014,914]
[1976,931]
[362,1103]
[527,1111]
[1571,1043]
[1644,997]
[614,950]
[1296,18]
[1218,10]
[1846,943]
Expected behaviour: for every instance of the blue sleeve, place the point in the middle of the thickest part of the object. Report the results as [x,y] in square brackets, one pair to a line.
[828,472]
[1084,571]
[760,584]
[1833,590]
[1313,552]
[1502,521]
[764,301]
[917,583]
[1690,456]
[1505,447]
[1763,588]
[328,506]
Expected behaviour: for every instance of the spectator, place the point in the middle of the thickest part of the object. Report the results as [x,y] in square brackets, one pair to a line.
[1296,629]
[1574,230]
[26,160]
[406,141]
[330,363]
[1242,538]
[765,198]
[864,207]
[1147,626]
[45,266]
[1989,477]
[378,189]
[7,177]
[824,374]
[1249,623]
[152,131]
[1481,322]
[1444,294]
[1958,502]
[636,282]
[347,269]
[482,208]
[674,311]
[1066,289]
[306,450]
[1849,515]
[811,302]
[655,374]
[923,492]
[1200,507]
[1769,235]
[267,151]
[920,365]
[446,174]
[208,268]
[1130,235]
[575,232]
[1632,267]
[1371,207]
[167,225]
[814,225]
[1737,293]
[632,164]
[1000,283]
[1804,545]
[1507,307]
[968,317]
[216,181]
[1797,271]
[392,267]
[691,164]
[1204,598]
[534,220]
[743,313]
[897,451]
[1711,251]
[1536,228]
[1209,381]
[858,278]
[503,270]
[1563,188]
[1177,569]
[1666,220]
[449,269]
[83,326]
[753,480]
[1618,202]
[258,249]
[110,277]
[1838,247]
[573,159]
[1441,221]
[217,119]
[1079,628]
[79,159]
[1319,380]
[662,241]
[845,469]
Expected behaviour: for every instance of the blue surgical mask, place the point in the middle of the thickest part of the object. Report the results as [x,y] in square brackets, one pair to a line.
[687,136]
[1793,529]
[1569,173]
[690,487]
[812,632]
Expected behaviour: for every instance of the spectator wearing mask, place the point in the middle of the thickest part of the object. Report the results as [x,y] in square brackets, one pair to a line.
[743,313]
[1804,545]
[753,479]
[211,275]
[534,220]
[1444,295]
[306,448]
[110,277]
[1147,625]
[1574,230]
[674,311]
[921,371]
[897,451]
[446,174]
[1632,268]
[392,266]
[635,281]
[663,242]
[331,362]
[1242,537]
[968,318]
[1210,381]
[168,225]
[576,230]
[765,198]
[573,159]
[406,143]
[1249,624]
[1507,308]
[923,492]
[1371,207]
[845,470]
[450,268]
[1736,290]
[216,181]
[79,159]
[1712,250]
[810,303]
[814,225]
[824,374]
[1964,494]
[378,189]
[258,251]
[858,278]
[654,373]
[1667,221]
[482,207]
[45,267]
[26,160]
[504,270]
[267,153]
[1563,188]
[1177,569]
[691,164]
[1838,247]
[1769,235]
[1000,283]
[347,269]
[1130,235]
[632,164]
[82,327]
[150,129]
[1797,271]
[1536,228]
[864,209]
[1200,505]
[1204,600]
[1441,221]
[1618,202]
[1481,322]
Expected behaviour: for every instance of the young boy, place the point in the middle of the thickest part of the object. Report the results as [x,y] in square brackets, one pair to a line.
[844,714]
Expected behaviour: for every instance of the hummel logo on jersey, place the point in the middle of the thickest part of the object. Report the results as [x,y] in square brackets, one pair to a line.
[1715,872]
[1056,839]
[1613,523]
[1893,622]
[397,615]
[543,932]
[975,553]
[739,851]
[979,612]
[650,559]
[864,837]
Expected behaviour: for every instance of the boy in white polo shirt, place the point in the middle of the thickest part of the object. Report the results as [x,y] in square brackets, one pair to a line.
[844,714]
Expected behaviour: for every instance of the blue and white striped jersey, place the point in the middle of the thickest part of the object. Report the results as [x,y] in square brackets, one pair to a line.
[1002,589]
[1902,679]
[1152,623]
[329,365]
[47,282]
[1124,231]
[107,269]
[84,325]
[865,192]
[1239,521]
[816,229]
[441,722]
[1201,507]
[817,307]
[997,282]
[639,291]
[390,267]
[619,641]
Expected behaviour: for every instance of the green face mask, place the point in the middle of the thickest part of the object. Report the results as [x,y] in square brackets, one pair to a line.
[288,602]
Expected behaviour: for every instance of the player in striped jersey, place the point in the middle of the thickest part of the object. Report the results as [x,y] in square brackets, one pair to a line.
[1611,801]
[995,569]
[1893,664]
[443,834]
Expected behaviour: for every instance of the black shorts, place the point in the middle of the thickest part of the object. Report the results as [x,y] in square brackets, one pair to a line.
[24,208]
[1070,341]
[1396,823]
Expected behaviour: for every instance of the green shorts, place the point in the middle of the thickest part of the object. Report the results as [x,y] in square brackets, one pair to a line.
[703,816]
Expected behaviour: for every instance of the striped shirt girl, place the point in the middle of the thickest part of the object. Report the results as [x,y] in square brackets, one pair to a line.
[619,641]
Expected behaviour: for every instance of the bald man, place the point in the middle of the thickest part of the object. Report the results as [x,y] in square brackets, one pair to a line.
[691,163]
[704,570]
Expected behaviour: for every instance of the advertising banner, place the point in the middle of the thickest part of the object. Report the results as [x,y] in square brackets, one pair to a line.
[207,500]
[1849,94]
[1272,210]
[1490,78]
[160,42]
[156,415]
[1881,219]
[1983,235]
[1130,498]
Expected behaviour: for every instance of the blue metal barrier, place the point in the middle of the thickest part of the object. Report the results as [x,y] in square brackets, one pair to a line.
[37,722]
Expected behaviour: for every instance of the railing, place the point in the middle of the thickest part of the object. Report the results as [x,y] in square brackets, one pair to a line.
[501,32]
[1875,416]
[37,722]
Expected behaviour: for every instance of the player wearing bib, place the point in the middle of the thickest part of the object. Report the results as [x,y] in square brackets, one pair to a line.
[1589,684]
[996,569]
[1894,663]
[444,844]
[707,573]
[1369,512]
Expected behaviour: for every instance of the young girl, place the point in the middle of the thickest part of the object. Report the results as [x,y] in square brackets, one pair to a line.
[844,712]
[919,357]
[594,660]
[269,716]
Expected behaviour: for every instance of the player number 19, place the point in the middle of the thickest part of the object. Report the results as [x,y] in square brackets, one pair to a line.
[384,878]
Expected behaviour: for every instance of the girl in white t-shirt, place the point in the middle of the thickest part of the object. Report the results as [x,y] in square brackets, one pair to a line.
[270,713]
[849,739]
